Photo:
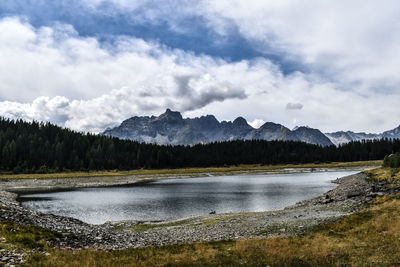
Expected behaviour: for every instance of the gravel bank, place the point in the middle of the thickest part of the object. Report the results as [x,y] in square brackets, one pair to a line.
[352,193]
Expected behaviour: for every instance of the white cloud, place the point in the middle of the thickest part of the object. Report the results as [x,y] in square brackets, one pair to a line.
[257,123]
[53,74]
[355,44]
[106,110]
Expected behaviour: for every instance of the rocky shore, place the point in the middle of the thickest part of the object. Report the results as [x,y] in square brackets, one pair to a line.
[352,194]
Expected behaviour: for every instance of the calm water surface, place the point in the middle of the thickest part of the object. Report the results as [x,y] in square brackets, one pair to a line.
[181,198]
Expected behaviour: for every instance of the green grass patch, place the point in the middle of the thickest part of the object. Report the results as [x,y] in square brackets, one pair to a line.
[142,227]
[221,218]
[26,237]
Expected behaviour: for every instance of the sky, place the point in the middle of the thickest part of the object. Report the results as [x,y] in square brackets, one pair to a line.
[90,64]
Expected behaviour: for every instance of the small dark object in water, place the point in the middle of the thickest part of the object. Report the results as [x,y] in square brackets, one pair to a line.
[212,212]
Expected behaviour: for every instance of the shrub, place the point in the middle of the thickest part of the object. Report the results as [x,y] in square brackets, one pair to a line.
[392,161]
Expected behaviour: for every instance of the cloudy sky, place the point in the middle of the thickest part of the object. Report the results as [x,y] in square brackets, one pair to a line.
[90,64]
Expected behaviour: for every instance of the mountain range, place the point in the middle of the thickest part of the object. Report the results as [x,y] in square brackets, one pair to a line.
[342,137]
[171,128]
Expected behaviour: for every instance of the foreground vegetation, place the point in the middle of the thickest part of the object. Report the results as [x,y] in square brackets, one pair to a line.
[194,171]
[15,236]
[46,148]
[369,237]
[381,174]
[392,161]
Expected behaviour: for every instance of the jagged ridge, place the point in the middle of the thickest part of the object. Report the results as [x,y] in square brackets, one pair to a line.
[342,137]
[171,128]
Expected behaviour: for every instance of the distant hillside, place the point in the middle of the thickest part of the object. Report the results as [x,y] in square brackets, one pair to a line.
[171,128]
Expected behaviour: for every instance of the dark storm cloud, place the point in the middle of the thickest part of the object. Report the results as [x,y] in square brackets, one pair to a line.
[294,106]
[205,94]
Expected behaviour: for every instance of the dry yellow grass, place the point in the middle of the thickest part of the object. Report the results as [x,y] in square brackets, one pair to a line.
[389,174]
[192,171]
[370,237]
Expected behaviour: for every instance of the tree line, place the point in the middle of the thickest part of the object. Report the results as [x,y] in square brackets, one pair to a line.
[36,147]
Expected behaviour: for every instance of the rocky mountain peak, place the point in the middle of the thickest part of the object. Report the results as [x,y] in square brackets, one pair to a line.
[271,125]
[312,136]
[209,118]
[394,132]
[240,121]
[170,115]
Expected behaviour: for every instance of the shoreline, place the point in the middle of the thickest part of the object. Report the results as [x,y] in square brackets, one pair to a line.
[190,170]
[35,185]
[354,193]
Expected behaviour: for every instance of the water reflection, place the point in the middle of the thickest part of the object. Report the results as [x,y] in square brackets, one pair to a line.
[180,198]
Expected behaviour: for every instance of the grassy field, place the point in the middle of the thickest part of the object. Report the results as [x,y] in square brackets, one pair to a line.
[193,171]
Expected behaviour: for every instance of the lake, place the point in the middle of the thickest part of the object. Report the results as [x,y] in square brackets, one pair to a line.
[185,197]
